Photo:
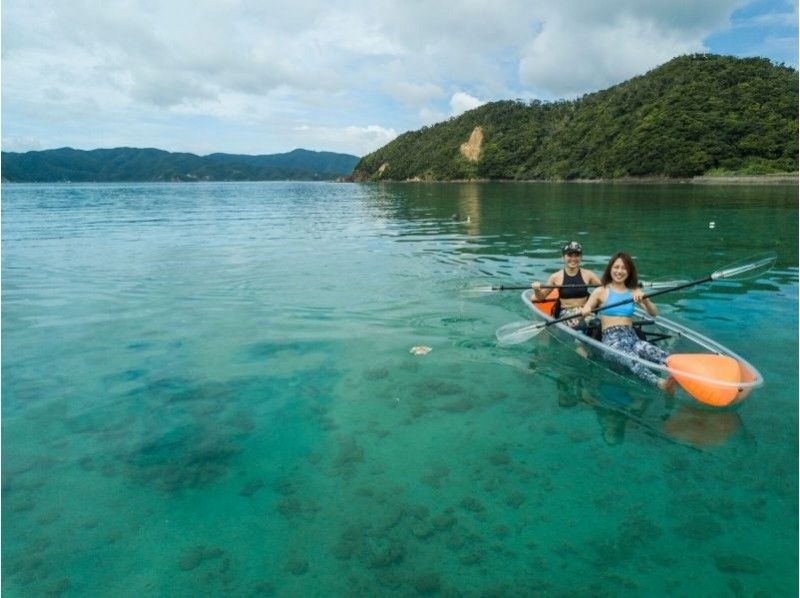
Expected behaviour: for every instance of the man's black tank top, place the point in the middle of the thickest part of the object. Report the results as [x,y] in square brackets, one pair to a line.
[574,287]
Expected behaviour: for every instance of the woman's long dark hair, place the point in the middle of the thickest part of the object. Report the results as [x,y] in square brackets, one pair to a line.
[632,281]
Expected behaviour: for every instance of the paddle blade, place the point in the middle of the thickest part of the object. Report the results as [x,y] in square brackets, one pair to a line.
[517,332]
[750,268]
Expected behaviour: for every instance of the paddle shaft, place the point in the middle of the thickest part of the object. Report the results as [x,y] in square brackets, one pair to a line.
[733,271]
[626,301]
[544,286]
[558,286]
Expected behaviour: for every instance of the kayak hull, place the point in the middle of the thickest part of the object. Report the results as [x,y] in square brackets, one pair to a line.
[710,373]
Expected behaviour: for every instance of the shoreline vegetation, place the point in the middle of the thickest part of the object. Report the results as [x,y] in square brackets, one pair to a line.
[762,179]
[728,179]
[702,118]
[732,179]
[141,165]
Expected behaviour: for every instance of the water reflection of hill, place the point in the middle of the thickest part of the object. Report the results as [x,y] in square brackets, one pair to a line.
[686,230]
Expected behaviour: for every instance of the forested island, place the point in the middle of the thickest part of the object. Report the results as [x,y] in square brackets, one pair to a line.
[133,164]
[695,115]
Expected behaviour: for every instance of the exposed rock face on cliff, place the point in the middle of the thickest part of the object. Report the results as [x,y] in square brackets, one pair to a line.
[471,149]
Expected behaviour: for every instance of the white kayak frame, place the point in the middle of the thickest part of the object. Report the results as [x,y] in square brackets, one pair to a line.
[703,344]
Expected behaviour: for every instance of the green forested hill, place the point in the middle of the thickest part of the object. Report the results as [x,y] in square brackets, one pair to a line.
[132,164]
[699,114]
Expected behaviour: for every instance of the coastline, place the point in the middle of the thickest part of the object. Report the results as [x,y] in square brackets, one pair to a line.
[763,179]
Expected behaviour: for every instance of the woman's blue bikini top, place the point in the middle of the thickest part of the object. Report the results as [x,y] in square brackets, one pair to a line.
[626,310]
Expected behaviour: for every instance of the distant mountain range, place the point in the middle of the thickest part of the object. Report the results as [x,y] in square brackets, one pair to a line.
[695,115]
[133,164]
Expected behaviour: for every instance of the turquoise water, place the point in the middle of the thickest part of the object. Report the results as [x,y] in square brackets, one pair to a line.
[208,390]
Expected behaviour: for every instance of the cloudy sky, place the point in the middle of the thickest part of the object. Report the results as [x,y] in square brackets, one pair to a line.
[265,76]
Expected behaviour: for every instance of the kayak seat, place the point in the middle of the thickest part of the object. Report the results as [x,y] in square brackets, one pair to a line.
[594,331]
[645,335]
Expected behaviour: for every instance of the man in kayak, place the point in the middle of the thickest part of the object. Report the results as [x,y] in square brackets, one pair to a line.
[573,282]
[619,291]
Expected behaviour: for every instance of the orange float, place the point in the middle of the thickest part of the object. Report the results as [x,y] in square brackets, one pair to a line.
[716,380]
[548,305]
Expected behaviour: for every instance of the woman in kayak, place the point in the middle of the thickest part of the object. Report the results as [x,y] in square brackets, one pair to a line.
[620,283]
[573,281]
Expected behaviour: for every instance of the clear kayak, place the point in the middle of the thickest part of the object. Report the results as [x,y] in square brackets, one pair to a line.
[710,373]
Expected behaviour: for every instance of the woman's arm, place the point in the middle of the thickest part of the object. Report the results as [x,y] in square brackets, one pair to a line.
[645,302]
[541,293]
[594,301]
[591,278]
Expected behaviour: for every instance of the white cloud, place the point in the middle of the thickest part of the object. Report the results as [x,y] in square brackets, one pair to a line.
[558,65]
[250,74]
[585,46]
[364,139]
[414,94]
[461,102]
[429,116]
[23,144]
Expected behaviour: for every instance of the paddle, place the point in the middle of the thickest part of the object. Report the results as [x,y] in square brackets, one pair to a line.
[514,333]
[642,285]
